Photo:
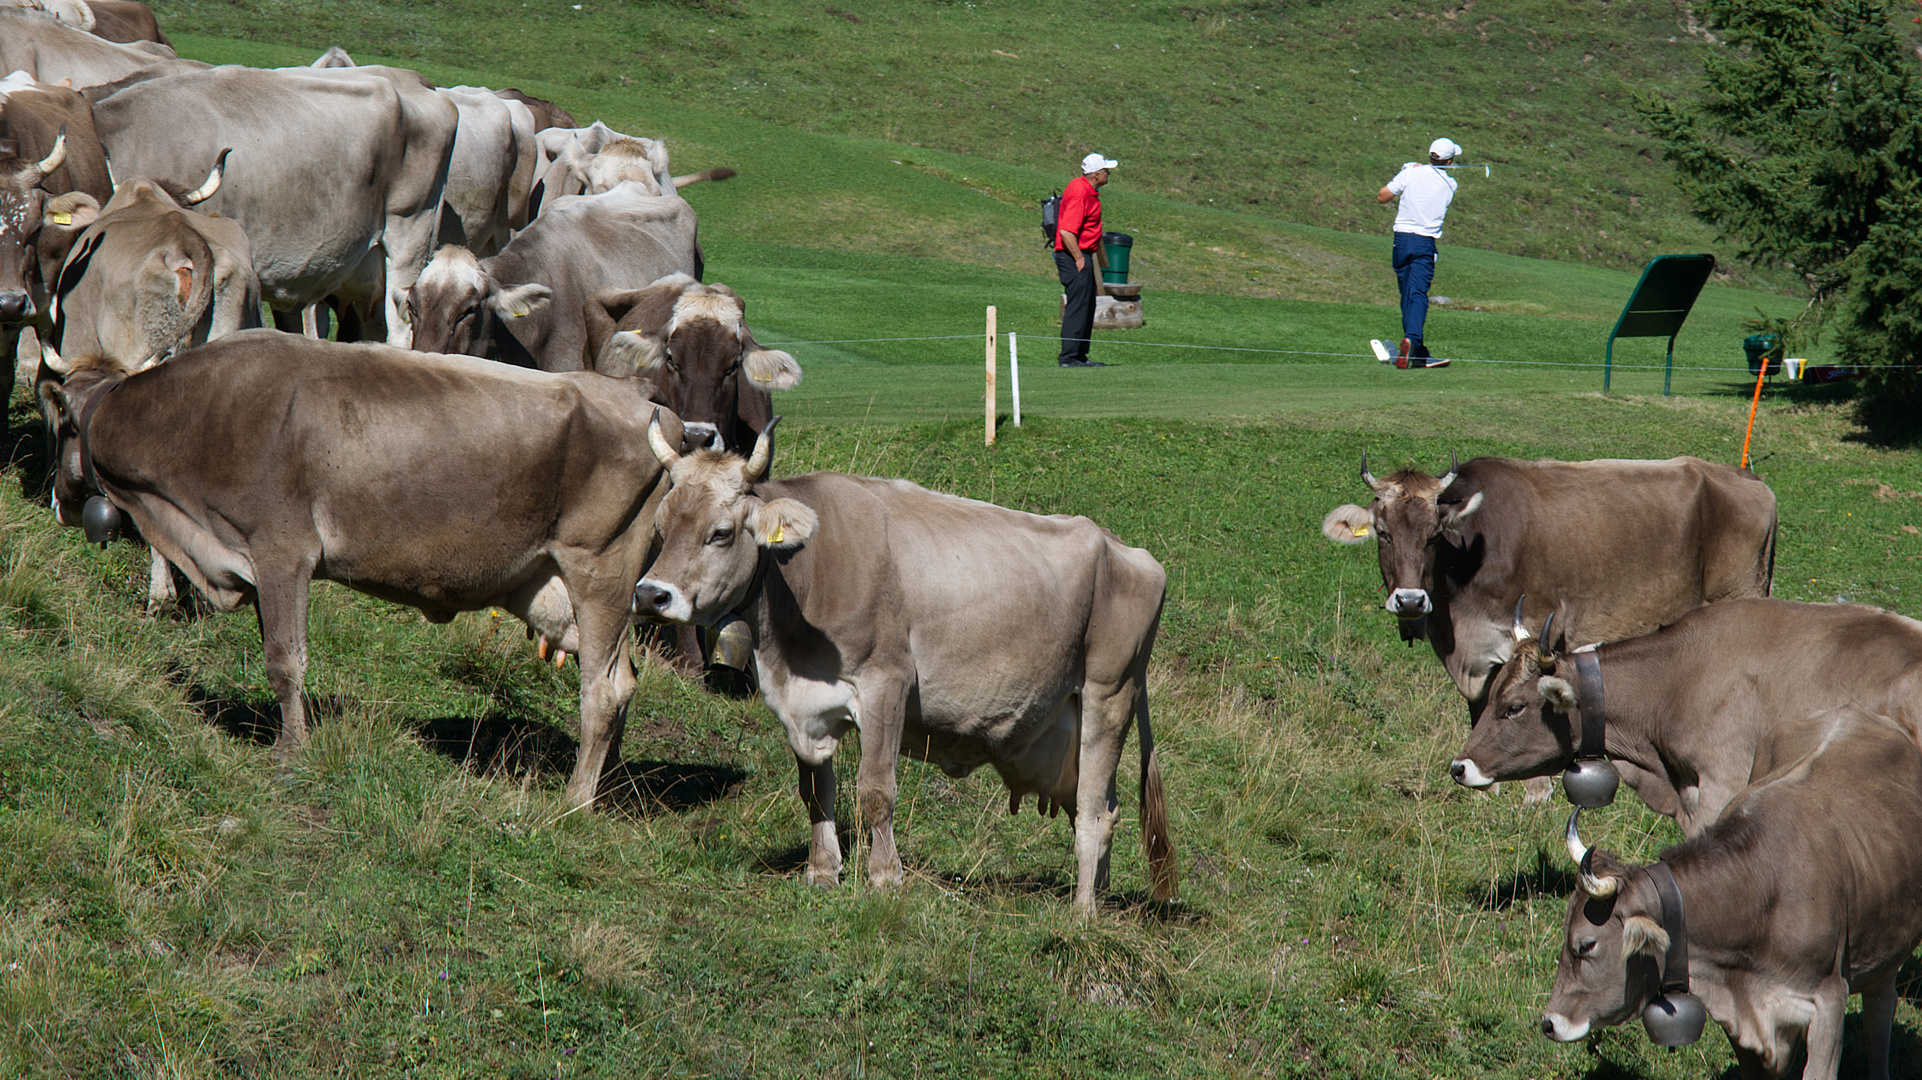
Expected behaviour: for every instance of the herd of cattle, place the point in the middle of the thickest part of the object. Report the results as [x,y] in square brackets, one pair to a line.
[591,475]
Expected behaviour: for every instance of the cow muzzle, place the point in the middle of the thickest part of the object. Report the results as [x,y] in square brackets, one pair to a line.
[15,306]
[1409,603]
[1467,774]
[660,600]
[700,436]
[1561,1028]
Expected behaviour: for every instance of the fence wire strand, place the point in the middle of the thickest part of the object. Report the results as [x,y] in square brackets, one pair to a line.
[1272,352]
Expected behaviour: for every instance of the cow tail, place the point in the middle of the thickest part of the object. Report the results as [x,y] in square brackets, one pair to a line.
[1163,869]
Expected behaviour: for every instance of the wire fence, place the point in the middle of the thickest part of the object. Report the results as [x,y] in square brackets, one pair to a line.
[977,336]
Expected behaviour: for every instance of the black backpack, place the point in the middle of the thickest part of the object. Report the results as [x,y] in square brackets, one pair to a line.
[1051,217]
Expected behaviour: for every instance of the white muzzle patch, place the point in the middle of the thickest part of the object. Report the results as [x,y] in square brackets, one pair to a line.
[1468,775]
[1409,603]
[655,599]
[1561,1028]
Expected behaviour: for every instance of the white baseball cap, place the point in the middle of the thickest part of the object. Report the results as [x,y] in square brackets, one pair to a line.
[1095,163]
[1444,149]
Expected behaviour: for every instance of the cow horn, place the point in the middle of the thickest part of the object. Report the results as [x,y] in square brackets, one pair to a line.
[667,454]
[1366,476]
[206,190]
[1576,849]
[757,462]
[1454,466]
[1543,658]
[1520,631]
[38,170]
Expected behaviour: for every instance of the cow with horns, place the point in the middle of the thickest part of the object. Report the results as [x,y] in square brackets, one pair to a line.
[955,631]
[1802,894]
[1640,542]
[1679,712]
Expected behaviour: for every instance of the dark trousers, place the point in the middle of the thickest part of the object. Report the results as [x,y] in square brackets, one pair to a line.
[1415,271]
[1077,320]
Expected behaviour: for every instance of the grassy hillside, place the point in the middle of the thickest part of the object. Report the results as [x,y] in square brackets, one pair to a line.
[1291,110]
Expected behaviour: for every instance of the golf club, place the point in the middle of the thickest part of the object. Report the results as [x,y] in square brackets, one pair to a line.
[1483,168]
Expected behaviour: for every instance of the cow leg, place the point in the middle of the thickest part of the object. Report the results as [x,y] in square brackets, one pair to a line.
[1105,717]
[280,602]
[883,712]
[607,682]
[160,585]
[1824,1037]
[1878,1018]
[824,845]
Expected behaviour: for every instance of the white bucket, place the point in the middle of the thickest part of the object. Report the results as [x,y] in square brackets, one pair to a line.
[1794,366]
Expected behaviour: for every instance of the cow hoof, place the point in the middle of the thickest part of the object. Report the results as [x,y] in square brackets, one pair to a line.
[1536,790]
[823,879]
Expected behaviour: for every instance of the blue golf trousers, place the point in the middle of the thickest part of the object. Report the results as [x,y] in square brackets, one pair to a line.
[1415,271]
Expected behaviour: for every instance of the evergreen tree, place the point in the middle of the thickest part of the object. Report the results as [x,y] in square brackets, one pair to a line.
[1806,147]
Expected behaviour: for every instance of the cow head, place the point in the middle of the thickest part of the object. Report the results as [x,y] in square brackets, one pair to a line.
[1406,518]
[68,405]
[713,528]
[1529,724]
[619,160]
[692,341]
[22,213]
[454,302]
[1613,946]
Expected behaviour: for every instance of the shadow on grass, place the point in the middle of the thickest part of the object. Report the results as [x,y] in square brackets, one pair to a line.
[498,744]
[1546,878]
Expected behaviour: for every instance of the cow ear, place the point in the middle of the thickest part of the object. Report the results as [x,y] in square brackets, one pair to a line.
[772,369]
[630,352]
[1348,524]
[73,212]
[1453,519]
[1641,934]
[782,524]
[519,301]
[1557,692]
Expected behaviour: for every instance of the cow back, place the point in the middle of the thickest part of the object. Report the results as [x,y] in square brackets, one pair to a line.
[51,51]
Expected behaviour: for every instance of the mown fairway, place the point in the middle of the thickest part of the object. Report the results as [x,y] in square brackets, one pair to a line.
[409,899]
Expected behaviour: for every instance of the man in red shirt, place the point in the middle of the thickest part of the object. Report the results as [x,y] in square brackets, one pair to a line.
[1077,251]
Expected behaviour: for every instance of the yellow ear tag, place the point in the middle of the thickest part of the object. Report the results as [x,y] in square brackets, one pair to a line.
[62,219]
[1361,530]
[780,531]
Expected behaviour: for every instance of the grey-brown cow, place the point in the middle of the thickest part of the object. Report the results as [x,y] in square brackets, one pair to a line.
[1638,542]
[693,343]
[955,631]
[1684,708]
[262,461]
[527,303]
[51,51]
[1803,893]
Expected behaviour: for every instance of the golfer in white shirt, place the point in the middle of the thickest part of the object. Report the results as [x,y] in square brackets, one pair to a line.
[1425,192]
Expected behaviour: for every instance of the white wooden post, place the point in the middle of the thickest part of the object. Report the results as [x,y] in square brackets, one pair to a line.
[990,439]
[1014,377]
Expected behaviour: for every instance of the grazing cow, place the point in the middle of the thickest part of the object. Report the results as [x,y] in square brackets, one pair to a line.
[960,633]
[1682,709]
[528,302]
[262,461]
[1803,893]
[596,158]
[51,51]
[692,342]
[47,149]
[356,222]
[1638,542]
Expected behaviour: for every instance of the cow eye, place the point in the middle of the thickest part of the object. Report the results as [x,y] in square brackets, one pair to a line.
[721,534]
[1586,947]
[1515,709]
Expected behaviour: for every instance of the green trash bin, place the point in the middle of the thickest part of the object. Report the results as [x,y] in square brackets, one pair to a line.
[1760,347]
[1116,245]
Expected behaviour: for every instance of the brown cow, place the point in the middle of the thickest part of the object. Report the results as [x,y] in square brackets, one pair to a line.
[954,631]
[1802,894]
[1683,708]
[262,461]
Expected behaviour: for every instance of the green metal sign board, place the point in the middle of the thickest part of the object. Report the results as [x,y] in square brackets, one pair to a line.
[1659,305]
